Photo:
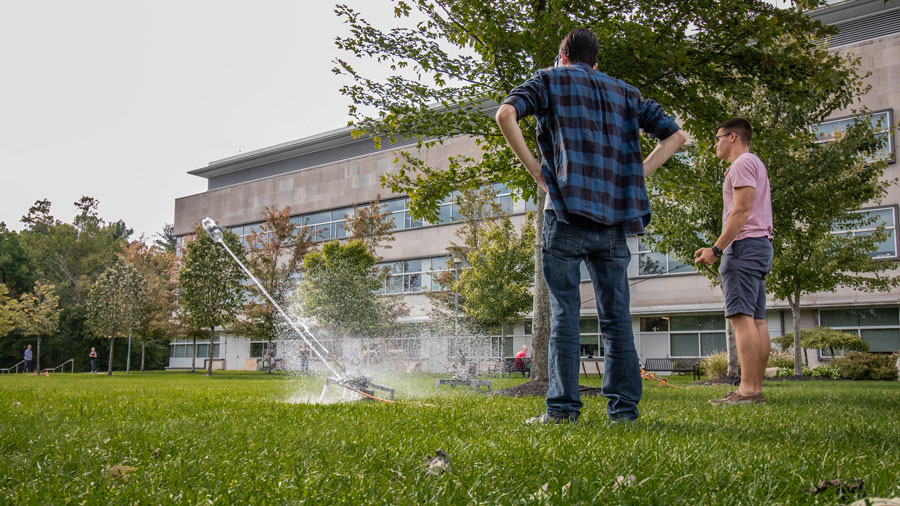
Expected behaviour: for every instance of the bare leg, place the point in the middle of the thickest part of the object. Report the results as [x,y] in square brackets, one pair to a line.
[753,346]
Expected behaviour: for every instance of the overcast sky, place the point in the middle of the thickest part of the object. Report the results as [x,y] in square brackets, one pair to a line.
[118,100]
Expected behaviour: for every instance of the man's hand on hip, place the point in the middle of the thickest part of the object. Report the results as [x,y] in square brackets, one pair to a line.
[705,256]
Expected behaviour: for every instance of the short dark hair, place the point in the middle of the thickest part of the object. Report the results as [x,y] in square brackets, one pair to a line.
[740,126]
[581,46]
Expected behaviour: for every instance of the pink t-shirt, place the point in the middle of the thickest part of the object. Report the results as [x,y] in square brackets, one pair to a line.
[748,170]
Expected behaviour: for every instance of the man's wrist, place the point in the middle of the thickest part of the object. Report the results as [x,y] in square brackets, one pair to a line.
[717,251]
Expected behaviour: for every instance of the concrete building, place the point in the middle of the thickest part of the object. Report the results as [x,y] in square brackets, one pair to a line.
[675,311]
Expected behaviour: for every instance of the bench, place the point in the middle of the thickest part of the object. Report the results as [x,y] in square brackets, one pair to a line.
[508,366]
[475,384]
[691,365]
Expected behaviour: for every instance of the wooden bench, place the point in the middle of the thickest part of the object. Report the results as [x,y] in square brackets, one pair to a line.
[691,365]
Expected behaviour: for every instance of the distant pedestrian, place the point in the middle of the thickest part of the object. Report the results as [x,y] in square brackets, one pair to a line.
[93,355]
[304,354]
[28,359]
[519,362]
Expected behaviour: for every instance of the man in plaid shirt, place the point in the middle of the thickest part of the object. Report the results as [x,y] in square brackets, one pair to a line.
[588,126]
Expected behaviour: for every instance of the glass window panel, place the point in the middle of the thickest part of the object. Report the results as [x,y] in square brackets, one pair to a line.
[654,324]
[643,245]
[872,317]
[202,350]
[838,318]
[340,232]
[395,205]
[413,283]
[591,350]
[394,284]
[528,328]
[676,266]
[712,342]
[321,233]
[412,223]
[413,265]
[685,345]
[685,323]
[397,220]
[506,204]
[887,247]
[439,264]
[651,263]
[882,340]
[314,219]
[444,213]
[589,340]
[712,322]
[180,351]
[341,214]
[215,351]
[885,216]
[589,325]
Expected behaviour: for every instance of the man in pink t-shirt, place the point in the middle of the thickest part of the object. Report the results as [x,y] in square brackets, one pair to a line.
[745,247]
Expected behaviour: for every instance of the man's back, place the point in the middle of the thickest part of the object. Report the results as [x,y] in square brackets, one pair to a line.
[589,136]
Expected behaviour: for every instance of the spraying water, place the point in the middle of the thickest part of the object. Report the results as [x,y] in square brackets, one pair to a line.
[360,384]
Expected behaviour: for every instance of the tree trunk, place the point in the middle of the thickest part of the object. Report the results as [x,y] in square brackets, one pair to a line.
[194,356]
[37,356]
[540,319]
[209,353]
[271,355]
[109,366]
[731,347]
[795,316]
[143,349]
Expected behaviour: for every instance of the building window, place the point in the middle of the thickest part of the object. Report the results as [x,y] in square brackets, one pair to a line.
[881,120]
[880,327]
[689,335]
[325,225]
[591,344]
[181,348]
[651,263]
[876,217]
[404,276]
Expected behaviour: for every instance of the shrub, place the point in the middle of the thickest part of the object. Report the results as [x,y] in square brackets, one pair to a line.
[826,371]
[874,366]
[824,338]
[715,366]
[785,371]
[780,359]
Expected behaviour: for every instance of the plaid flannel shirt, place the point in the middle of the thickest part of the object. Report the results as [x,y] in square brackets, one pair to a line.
[588,126]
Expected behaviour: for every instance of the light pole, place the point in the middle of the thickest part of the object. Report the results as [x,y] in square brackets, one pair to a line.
[457,254]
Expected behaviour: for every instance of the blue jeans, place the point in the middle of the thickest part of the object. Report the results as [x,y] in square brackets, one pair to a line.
[603,250]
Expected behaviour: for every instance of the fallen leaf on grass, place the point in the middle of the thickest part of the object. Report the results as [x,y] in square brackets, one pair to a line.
[877,501]
[624,481]
[437,465]
[156,452]
[119,471]
[842,485]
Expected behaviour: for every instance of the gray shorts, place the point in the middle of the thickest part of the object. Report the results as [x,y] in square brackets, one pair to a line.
[743,271]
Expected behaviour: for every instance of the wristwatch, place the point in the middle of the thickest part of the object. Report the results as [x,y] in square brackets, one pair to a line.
[717,251]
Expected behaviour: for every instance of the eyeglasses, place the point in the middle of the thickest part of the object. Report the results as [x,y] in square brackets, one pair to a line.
[717,137]
[558,60]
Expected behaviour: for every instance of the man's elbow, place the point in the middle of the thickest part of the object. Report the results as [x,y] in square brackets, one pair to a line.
[506,113]
[678,138]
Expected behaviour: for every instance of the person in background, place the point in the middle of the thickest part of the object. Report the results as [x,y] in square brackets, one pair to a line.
[304,354]
[28,357]
[93,355]
[519,362]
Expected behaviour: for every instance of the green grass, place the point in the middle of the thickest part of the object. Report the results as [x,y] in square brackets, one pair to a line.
[237,438]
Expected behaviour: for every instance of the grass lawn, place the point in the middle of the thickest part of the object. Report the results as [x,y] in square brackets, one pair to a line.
[242,438]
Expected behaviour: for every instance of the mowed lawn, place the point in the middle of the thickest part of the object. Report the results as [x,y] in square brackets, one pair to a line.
[243,438]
